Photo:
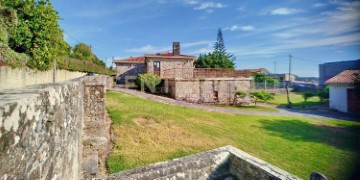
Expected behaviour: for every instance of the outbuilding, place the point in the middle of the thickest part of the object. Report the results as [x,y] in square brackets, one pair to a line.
[343,96]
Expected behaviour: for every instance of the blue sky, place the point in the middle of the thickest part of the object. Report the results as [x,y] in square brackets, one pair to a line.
[258,33]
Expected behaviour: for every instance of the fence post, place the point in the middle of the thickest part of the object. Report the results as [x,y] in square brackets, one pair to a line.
[54,71]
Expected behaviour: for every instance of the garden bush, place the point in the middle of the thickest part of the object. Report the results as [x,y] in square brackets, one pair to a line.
[261,96]
[147,82]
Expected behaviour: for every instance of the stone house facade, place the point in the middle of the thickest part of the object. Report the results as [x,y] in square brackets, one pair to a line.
[181,80]
[165,65]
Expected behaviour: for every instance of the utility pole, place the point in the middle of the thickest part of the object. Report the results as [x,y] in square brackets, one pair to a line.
[274,67]
[287,84]
[54,70]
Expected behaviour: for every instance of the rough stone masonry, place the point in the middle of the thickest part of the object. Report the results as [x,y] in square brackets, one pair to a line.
[41,129]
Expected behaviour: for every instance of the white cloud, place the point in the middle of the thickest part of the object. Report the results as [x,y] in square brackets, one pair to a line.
[285,11]
[206,6]
[148,49]
[318,5]
[209,5]
[243,28]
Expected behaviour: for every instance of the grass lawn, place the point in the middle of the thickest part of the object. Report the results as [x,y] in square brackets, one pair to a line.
[255,108]
[296,99]
[148,132]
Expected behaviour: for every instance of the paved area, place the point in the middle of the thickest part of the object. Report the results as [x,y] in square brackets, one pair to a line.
[324,113]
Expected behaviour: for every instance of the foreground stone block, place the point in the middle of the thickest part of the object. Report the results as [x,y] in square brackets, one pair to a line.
[222,163]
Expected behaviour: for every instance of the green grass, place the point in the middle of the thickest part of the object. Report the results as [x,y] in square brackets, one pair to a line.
[255,108]
[295,144]
[296,99]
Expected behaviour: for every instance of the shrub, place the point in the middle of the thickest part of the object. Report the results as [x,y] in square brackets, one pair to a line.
[239,95]
[261,96]
[147,82]
[308,94]
[323,94]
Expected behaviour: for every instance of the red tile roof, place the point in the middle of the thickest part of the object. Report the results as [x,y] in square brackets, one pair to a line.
[169,54]
[345,77]
[139,59]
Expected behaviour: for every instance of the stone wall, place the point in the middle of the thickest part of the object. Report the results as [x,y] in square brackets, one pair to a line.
[46,131]
[21,77]
[123,70]
[40,131]
[172,67]
[207,90]
[222,163]
[96,132]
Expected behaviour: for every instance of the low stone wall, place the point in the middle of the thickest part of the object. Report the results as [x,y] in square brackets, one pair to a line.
[49,131]
[40,131]
[207,90]
[21,77]
[222,163]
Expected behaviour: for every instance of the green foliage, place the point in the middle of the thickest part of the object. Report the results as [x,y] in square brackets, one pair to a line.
[147,82]
[214,60]
[32,28]
[241,94]
[261,96]
[308,94]
[356,84]
[219,58]
[83,51]
[259,77]
[12,59]
[323,94]
[82,66]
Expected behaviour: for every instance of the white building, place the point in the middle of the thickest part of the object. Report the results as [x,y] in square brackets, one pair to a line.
[342,93]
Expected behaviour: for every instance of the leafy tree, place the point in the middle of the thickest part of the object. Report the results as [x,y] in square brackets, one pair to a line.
[219,58]
[35,31]
[261,96]
[259,77]
[83,51]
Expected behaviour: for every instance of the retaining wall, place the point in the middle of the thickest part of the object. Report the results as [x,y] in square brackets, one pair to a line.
[44,129]
[208,90]
[21,77]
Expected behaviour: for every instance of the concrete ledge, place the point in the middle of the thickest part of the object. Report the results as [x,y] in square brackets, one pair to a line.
[212,79]
[221,163]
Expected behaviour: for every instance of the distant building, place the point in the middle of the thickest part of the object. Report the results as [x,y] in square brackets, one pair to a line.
[282,77]
[330,69]
[342,93]
[165,65]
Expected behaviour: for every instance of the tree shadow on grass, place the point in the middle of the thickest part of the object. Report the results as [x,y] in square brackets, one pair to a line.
[344,137]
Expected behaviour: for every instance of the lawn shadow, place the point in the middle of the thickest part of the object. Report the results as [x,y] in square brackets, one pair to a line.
[345,137]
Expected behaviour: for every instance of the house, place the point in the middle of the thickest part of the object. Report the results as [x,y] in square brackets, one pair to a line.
[342,92]
[330,69]
[166,65]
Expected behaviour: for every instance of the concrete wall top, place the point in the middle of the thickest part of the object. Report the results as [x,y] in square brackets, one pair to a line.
[213,79]
[21,77]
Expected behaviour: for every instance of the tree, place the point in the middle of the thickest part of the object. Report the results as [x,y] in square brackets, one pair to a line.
[83,51]
[219,58]
[36,32]
[261,96]
[239,95]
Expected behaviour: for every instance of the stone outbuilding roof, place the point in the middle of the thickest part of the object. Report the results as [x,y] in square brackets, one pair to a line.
[345,77]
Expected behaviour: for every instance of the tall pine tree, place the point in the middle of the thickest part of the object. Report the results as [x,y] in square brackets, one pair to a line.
[219,58]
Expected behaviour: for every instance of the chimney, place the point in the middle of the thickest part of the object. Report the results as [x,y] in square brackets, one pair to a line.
[176,48]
